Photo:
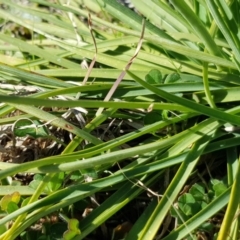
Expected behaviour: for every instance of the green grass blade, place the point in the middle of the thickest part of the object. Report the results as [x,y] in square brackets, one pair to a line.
[191,105]
[231,209]
[197,26]
[227,24]
[173,189]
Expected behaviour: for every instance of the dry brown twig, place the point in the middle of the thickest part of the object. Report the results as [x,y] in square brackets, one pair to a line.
[140,184]
[121,76]
[95,55]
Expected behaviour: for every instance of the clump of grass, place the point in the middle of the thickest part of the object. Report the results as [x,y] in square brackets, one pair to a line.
[139,163]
